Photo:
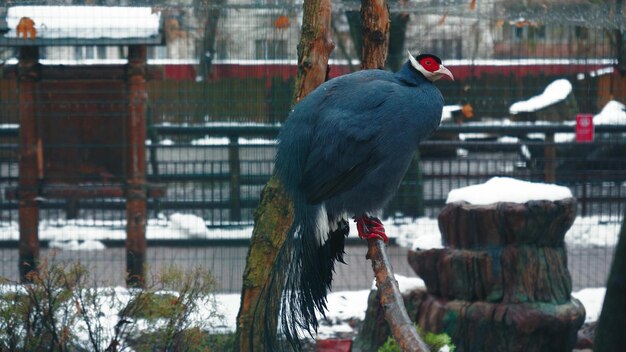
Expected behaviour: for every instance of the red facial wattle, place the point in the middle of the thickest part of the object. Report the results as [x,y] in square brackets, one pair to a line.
[430,64]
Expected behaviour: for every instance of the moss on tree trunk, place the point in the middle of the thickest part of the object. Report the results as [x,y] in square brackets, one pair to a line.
[274,215]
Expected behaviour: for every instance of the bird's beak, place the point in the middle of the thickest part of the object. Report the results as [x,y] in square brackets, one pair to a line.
[443,71]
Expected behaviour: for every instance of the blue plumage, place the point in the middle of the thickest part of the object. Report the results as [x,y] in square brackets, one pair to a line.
[342,153]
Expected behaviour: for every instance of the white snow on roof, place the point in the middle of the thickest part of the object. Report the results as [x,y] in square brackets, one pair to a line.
[86,22]
[554,93]
[505,189]
[528,61]
[613,113]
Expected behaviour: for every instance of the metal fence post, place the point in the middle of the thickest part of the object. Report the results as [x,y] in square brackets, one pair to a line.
[549,155]
[235,177]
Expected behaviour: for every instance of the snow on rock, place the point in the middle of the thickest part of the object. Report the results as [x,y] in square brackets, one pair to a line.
[75,245]
[505,189]
[86,22]
[613,113]
[554,93]
[190,225]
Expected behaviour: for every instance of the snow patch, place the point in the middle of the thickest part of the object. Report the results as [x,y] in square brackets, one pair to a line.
[554,93]
[613,113]
[592,299]
[505,189]
[446,113]
[225,141]
[190,225]
[75,245]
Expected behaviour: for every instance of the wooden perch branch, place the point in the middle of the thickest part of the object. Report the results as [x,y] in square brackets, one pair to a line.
[391,300]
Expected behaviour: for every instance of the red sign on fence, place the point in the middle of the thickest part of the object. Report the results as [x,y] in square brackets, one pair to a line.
[584,128]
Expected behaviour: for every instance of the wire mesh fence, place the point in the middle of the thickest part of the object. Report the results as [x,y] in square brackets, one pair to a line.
[215,80]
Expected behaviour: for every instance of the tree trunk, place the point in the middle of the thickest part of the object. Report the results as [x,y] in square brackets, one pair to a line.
[208,12]
[274,215]
[375,22]
[314,48]
[272,220]
[397,35]
[610,332]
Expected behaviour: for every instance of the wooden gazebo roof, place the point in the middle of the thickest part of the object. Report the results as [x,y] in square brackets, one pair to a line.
[80,25]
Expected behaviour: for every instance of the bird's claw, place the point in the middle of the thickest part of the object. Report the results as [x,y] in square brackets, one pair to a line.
[370,227]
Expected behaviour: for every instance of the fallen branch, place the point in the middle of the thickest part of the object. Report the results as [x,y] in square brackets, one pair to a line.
[402,327]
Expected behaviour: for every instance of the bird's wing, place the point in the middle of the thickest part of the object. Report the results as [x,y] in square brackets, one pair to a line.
[322,180]
[344,146]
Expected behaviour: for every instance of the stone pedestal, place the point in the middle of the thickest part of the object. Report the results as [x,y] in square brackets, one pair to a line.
[501,283]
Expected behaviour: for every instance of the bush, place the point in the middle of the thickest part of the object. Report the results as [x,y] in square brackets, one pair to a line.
[434,341]
[57,311]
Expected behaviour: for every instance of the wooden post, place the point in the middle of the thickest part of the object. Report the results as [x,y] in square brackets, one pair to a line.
[235,178]
[549,159]
[136,167]
[28,161]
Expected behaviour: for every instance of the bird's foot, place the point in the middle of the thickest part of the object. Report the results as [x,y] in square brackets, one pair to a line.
[370,227]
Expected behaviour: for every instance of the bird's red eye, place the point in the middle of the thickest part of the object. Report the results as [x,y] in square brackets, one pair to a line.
[429,64]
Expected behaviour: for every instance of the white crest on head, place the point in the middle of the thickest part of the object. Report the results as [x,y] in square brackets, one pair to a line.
[414,62]
[419,66]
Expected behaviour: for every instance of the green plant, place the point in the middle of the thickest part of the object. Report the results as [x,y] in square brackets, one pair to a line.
[36,315]
[434,341]
[58,311]
[167,306]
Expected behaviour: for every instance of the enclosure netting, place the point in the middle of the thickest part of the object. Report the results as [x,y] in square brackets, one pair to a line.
[220,82]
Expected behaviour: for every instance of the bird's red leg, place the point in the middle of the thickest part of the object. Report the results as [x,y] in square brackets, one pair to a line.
[370,227]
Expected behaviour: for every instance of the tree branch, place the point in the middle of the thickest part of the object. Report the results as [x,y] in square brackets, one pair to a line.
[402,327]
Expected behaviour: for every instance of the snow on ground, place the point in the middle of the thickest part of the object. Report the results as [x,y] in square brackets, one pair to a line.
[554,93]
[345,307]
[207,140]
[505,189]
[592,299]
[75,245]
[86,21]
[190,226]
[421,233]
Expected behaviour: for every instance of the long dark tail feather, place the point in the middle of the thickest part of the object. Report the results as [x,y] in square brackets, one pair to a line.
[300,279]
